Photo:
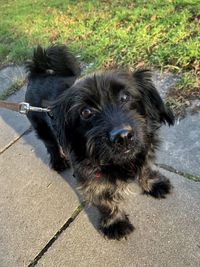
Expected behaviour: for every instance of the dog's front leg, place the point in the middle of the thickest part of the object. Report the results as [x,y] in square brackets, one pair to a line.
[105,196]
[114,223]
[154,183]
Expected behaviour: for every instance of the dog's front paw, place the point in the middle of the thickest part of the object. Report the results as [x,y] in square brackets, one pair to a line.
[160,188]
[59,164]
[118,230]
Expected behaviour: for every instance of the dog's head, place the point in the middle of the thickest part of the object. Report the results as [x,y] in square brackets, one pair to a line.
[110,117]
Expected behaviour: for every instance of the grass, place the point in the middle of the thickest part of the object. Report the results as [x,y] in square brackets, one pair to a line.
[192,178]
[162,34]
[12,89]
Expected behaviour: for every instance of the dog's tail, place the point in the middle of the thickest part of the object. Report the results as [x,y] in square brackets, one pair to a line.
[56,59]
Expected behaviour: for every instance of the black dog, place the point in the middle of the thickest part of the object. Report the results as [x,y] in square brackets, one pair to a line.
[104,124]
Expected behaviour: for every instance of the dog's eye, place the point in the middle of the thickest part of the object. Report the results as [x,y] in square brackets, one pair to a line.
[124,97]
[86,113]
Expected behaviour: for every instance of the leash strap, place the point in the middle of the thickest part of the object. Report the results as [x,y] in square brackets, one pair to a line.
[22,107]
[9,105]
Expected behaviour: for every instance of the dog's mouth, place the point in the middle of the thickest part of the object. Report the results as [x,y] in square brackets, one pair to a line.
[124,149]
[117,157]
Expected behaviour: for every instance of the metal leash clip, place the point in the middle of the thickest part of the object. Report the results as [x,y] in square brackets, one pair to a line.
[24,108]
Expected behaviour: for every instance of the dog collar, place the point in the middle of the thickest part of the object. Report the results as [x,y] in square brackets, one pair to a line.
[98,175]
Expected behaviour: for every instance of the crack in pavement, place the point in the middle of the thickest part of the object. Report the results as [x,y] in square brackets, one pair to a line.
[56,236]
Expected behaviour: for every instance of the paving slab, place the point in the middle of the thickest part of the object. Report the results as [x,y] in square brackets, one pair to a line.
[164,81]
[35,201]
[167,233]
[9,75]
[12,124]
[181,145]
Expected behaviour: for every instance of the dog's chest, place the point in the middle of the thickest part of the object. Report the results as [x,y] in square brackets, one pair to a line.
[113,173]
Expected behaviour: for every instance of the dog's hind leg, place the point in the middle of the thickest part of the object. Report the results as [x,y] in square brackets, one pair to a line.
[154,183]
[44,132]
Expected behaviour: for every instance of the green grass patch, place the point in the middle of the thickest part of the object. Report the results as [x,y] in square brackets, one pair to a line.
[158,33]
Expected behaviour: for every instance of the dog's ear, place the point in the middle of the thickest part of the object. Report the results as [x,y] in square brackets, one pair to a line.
[152,103]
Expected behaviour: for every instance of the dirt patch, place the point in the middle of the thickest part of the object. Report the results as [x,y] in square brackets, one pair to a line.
[184,100]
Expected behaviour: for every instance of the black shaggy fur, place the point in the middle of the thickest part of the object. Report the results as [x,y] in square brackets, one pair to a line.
[105,125]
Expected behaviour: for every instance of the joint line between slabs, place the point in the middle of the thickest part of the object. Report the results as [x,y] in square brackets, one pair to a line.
[15,140]
[189,176]
[56,236]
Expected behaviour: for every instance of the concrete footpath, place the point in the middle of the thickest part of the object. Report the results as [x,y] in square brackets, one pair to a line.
[42,222]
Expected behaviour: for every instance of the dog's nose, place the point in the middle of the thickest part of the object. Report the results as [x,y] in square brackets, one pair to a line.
[121,135]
